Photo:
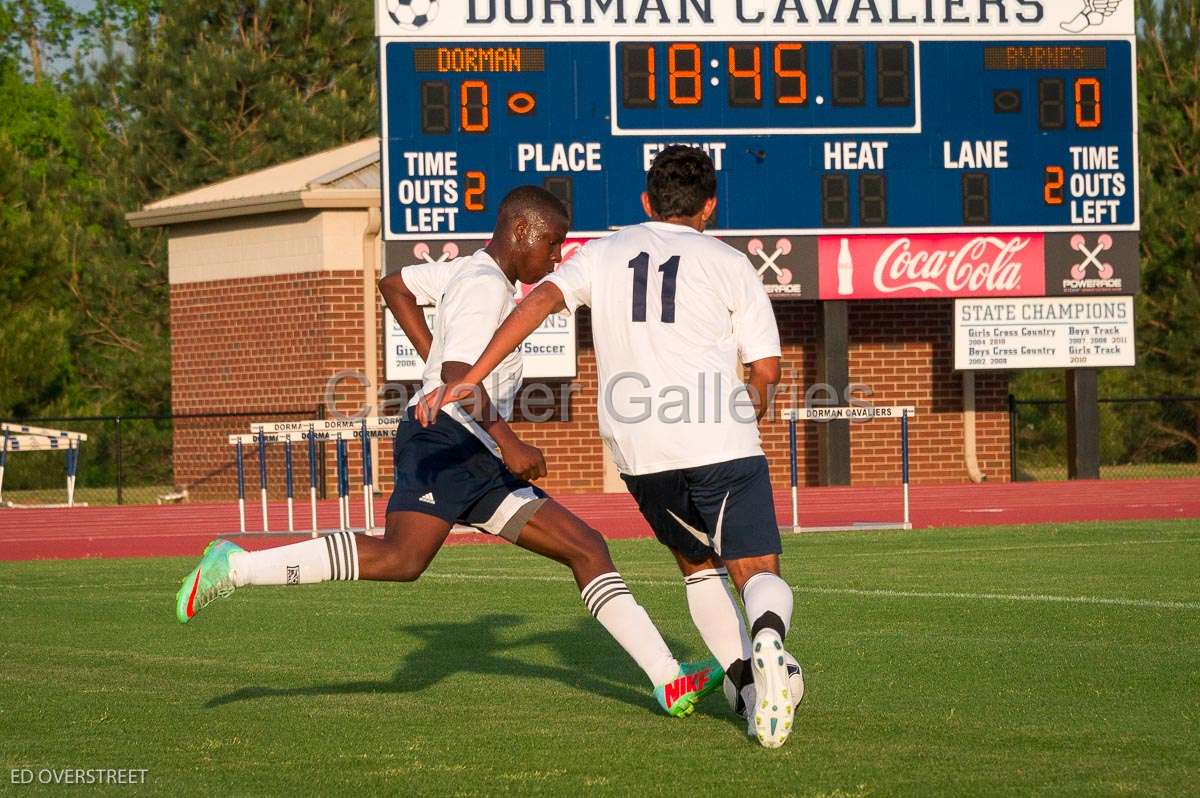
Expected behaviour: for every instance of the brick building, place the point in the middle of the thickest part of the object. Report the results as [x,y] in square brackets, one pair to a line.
[274,308]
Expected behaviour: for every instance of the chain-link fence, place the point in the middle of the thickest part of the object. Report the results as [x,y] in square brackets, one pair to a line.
[149,459]
[1140,438]
[136,459]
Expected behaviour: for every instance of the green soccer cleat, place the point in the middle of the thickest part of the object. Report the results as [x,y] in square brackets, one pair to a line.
[679,696]
[208,581]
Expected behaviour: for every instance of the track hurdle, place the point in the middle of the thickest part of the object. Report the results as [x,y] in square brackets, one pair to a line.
[855,414]
[362,428]
[241,483]
[343,483]
[311,437]
[260,441]
[368,480]
[338,431]
[262,478]
[23,438]
[287,459]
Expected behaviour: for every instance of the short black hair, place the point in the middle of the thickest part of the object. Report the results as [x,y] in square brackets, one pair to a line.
[526,200]
[680,181]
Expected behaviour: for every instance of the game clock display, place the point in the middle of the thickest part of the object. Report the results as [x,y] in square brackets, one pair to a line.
[808,136]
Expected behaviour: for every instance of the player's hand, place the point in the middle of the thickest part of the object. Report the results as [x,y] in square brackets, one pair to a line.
[524,460]
[432,402]
[427,408]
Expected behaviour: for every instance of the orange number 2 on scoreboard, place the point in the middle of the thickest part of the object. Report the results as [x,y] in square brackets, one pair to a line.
[1052,182]
[473,200]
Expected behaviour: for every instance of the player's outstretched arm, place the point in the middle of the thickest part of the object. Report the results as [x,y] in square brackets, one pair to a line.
[764,376]
[403,305]
[520,324]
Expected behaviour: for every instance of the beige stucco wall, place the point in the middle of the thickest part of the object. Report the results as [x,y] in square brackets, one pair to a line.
[292,242]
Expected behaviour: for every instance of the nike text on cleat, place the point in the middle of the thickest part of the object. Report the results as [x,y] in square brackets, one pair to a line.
[208,581]
[706,674]
[773,708]
[695,680]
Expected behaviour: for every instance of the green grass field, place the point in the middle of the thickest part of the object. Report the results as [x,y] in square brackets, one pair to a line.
[85,494]
[1058,472]
[1008,661]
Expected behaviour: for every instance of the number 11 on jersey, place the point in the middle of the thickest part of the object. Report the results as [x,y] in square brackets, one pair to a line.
[641,274]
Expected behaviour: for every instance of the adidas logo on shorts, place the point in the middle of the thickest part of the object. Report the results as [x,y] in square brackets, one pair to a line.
[428,498]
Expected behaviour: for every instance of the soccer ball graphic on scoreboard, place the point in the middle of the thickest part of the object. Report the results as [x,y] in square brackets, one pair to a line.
[738,703]
[412,13]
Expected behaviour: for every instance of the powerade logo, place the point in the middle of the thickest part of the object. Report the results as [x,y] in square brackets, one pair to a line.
[825,12]
[1106,280]
[1079,286]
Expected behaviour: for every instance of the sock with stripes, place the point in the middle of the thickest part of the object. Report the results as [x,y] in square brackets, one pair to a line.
[324,559]
[768,601]
[717,616]
[610,602]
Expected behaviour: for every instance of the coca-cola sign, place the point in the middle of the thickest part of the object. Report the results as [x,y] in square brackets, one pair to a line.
[927,266]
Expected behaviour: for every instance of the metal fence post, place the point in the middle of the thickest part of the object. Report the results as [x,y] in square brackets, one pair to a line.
[120,469]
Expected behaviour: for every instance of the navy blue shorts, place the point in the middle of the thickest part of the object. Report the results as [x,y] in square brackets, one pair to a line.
[444,471]
[726,509]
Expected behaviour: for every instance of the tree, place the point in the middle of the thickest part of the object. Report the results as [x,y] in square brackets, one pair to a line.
[1169,308]
[196,94]
[216,89]
[35,313]
[42,31]
[181,98]
[151,104]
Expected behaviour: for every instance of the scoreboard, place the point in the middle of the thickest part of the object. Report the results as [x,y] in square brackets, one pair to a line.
[987,132]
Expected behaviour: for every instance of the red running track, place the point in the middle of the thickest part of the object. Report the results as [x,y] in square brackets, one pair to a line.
[183,530]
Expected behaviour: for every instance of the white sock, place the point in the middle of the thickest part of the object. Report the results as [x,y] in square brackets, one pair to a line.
[323,559]
[716,616]
[610,602]
[768,602]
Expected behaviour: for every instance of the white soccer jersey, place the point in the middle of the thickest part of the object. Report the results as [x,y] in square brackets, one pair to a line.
[472,297]
[672,312]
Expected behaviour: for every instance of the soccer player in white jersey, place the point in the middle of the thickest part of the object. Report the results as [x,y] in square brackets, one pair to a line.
[673,312]
[468,466]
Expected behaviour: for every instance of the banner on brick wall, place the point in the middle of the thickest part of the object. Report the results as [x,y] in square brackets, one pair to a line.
[1053,332]
[787,265]
[550,353]
[932,266]
[402,364]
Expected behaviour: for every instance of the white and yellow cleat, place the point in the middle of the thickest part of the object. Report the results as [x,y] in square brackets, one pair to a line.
[744,704]
[773,700]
